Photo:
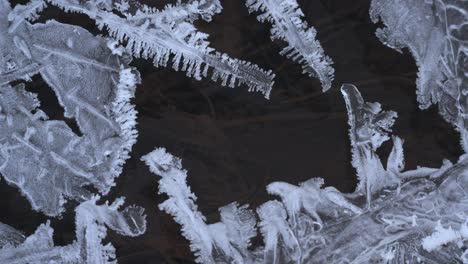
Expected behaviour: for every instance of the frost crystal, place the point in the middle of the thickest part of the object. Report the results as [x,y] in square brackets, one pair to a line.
[435,31]
[158,35]
[9,236]
[405,217]
[368,130]
[443,236]
[286,19]
[92,222]
[45,158]
[311,224]
[226,241]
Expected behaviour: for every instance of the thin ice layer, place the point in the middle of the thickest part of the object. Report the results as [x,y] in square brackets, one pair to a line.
[42,157]
[436,33]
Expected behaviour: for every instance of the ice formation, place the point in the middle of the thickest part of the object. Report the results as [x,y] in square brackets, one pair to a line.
[442,236]
[404,222]
[44,158]
[159,34]
[369,126]
[435,32]
[287,22]
[92,222]
[226,241]
[94,84]
[394,216]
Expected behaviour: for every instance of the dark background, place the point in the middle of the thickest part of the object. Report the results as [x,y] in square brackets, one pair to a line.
[233,143]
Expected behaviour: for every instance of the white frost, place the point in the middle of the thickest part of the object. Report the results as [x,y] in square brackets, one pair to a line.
[287,22]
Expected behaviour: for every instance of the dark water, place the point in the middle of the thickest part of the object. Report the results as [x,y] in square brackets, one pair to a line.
[233,142]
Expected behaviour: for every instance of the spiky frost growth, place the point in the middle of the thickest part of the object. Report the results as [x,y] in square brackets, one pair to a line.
[280,239]
[287,22]
[312,224]
[175,13]
[397,228]
[223,242]
[309,197]
[125,114]
[240,224]
[160,35]
[435,33]
[92,222]
[228,240]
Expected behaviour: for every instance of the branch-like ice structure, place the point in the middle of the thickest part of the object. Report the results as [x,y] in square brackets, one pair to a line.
[45,158]
[311,224]
[180,12]
[226,241]
[287,22]
[92,222]
[158,35]
[435,31]
[309,197]
[369,126]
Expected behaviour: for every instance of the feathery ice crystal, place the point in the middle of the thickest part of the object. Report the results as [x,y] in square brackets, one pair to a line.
[311,224]
[287,22]
[44,158]
[394,216]
[156,35]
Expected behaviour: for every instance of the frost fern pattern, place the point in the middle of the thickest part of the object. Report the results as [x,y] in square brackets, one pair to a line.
[408,220]
[393,216]
[156,35]
[287,22]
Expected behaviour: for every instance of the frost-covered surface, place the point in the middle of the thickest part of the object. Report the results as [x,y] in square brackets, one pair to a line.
[45,158]
[443,236]
[92,222]
[169,36]
[436,33]
[287,22]
[416,216]
[10,236]
[94,84]
[394,216]
[226,241]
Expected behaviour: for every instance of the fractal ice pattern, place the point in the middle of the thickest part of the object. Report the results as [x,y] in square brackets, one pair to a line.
[154,34]
[287,22]
[93,86]
[393,216]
